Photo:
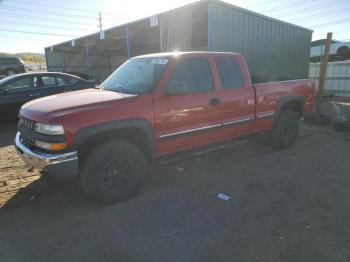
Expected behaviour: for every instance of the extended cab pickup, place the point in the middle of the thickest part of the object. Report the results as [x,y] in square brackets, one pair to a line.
[153,106]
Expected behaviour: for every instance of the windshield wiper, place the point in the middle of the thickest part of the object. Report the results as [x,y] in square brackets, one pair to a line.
[118,88]
[121,89]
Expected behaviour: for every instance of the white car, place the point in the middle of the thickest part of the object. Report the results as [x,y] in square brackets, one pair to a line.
[337,48]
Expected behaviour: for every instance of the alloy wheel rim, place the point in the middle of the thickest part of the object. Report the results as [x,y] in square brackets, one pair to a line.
[117,174]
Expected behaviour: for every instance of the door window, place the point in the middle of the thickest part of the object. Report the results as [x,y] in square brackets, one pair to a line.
[61,81]
[48,81]
[230,72]
[71,80]
[23,84]
[193,74]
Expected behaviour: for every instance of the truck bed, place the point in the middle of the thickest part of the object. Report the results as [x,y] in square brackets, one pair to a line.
[269,95]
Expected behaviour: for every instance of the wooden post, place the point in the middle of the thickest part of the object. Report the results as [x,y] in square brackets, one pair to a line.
[323,70]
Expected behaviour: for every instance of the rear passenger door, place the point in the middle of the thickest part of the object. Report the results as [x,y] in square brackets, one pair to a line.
[237,98]
[50,85]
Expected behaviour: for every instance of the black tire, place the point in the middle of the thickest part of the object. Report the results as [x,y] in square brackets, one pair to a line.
[343,51]
[286,130]
[113,171]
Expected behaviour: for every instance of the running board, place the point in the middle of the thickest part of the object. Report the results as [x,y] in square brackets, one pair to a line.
[185,155]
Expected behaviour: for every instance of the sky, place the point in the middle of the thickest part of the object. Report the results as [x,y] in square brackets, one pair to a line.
[31,25]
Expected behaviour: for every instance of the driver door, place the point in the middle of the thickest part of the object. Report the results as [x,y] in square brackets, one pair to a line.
[189,117]
[15,94]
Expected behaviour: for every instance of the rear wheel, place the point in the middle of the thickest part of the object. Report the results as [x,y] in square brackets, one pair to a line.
[112,171]
[286,130]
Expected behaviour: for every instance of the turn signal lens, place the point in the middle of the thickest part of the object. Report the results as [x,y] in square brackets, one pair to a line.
[49,146]
[57,147]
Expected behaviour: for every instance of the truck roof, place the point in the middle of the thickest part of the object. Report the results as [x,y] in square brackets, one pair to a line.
[173,54]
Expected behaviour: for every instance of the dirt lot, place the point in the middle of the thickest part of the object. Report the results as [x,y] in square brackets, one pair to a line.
[290,205]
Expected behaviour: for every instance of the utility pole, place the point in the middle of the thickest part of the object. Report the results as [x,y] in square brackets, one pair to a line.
[100,21]
[323,70]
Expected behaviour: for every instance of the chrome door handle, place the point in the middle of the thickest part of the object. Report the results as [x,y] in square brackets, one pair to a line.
[34,95]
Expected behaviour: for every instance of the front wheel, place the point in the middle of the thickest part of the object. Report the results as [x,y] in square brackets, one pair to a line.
[112,171]
[285,132]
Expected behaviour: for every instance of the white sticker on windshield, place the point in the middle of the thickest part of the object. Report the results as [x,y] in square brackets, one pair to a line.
[160,61]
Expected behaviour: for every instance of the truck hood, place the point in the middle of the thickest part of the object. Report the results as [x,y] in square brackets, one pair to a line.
[50,107]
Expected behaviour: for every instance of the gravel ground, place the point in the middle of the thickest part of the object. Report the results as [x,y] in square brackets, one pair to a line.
[14,176]
[290,205]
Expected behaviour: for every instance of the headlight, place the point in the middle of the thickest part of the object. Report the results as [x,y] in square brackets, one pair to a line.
[49,129]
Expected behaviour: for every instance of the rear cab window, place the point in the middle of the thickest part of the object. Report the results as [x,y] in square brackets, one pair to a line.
[230,72]
[194,73]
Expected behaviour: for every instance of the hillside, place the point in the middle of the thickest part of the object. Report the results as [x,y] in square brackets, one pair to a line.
[27,57]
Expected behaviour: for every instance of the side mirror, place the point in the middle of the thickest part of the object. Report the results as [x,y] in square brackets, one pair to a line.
[175,89]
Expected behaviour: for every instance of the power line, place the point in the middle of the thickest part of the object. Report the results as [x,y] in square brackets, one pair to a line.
[54,13]
[48,12]
[263,3]
[45,26]
[330,4]
[310,17]
[36,33]
[306,18]
[70,22]
[282,7]
[58,7]
[336,32]
[17,37]
[342,31]
[56,20]
[331,23]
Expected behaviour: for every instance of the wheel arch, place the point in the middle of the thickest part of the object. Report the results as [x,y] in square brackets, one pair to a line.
[137,131]
[293,103]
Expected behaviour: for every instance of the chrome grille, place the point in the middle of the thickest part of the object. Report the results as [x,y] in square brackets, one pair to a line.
[26,123]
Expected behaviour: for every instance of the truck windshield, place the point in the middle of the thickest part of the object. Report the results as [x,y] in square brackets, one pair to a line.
[136,76]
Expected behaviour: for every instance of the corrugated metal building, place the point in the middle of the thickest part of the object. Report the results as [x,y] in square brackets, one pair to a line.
[337,77]
[274,49]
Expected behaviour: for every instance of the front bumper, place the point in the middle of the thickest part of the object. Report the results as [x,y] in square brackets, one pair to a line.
[64,164]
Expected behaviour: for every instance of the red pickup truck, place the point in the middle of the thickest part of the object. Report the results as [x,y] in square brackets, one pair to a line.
[152,106]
